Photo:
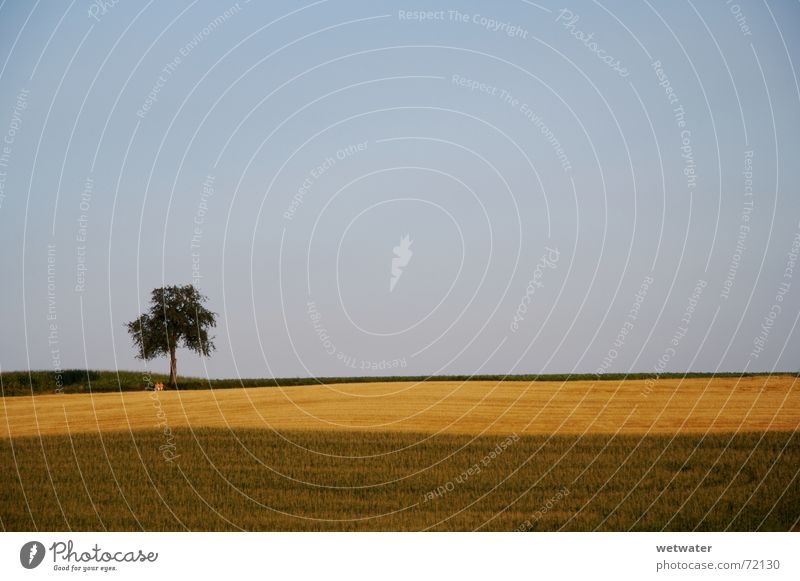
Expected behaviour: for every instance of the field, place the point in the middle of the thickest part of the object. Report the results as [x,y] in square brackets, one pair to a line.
[257,480]
[702,453]
[666,406]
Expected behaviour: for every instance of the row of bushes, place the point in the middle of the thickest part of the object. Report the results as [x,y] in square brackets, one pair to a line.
[84,381]
[195,383]
[72,381]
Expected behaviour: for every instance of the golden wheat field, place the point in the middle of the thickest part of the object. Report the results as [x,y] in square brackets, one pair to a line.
[693,454]
[667,406]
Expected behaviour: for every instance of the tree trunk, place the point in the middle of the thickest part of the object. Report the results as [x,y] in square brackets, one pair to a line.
[173,369]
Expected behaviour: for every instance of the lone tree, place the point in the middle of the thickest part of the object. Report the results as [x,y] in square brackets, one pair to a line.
[176,317]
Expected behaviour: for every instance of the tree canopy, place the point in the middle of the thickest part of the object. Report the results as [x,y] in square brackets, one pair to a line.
[176,318]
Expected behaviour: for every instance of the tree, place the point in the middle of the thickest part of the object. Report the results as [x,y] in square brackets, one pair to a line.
[176,317]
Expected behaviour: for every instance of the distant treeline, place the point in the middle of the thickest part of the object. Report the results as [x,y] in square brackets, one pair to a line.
[86,381]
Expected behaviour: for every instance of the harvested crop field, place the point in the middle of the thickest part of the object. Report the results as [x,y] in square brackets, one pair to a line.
[215,479]
[694,454]
[667,406]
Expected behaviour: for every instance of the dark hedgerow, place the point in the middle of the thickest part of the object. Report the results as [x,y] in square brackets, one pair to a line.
[96,381]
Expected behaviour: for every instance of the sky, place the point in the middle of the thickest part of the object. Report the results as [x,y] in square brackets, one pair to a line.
[381,188]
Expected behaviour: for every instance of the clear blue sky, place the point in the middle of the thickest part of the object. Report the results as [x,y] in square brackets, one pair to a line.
[601,182]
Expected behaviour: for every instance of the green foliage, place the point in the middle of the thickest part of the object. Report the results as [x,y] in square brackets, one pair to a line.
[74,381]
[66,380]
[25,383]
[258,480]
[176,318]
